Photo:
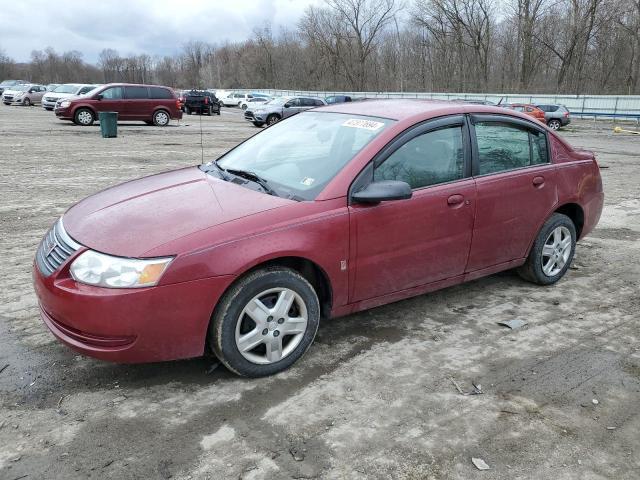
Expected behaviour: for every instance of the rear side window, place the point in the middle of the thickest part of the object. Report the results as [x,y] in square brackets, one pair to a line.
[503,147]
[159,92]
[318,103]
[307,102]
[84,90]
[136,93]
[428,159]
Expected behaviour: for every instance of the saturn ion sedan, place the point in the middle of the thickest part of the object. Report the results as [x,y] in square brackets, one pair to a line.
[332,211]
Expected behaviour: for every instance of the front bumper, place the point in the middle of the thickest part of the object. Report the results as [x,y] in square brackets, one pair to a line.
[49,103]
[63,113]
[152,324]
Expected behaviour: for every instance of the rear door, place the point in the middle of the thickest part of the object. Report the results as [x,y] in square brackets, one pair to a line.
[136,103]
[408,243]
[516,188]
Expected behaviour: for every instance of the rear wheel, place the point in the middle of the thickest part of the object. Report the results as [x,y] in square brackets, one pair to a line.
[552,251]
[161,118]
[244,107]
[84,117]
[187,110]
[265,322]
[554,124]
[272,119]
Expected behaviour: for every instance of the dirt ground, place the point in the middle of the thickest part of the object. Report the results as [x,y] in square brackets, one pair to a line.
[375,395]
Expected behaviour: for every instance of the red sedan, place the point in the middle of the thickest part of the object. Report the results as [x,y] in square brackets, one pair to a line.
[330,212]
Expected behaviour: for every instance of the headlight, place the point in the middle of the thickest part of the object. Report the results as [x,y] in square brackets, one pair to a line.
[65,103]
[95,268]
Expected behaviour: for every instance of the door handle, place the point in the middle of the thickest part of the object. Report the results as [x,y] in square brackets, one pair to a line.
[538,181]
[454,200]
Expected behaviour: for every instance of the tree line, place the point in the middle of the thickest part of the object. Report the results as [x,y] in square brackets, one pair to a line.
[536,46]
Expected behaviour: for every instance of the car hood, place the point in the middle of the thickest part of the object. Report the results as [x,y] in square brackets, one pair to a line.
[135,217]
[11,91]
[59,95]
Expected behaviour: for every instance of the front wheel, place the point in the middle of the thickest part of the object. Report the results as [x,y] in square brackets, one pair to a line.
[265,322]
[272,119]
[554,124]
[26,102]
[84,117]
[161,118]
[552,251]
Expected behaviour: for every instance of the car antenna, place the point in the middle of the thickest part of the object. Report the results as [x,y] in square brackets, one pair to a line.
[201,141]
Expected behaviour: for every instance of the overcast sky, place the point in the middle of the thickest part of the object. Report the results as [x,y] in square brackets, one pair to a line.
[135,26]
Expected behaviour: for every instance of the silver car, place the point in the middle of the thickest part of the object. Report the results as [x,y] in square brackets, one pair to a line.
[279,108]
[65,91]
[26,95]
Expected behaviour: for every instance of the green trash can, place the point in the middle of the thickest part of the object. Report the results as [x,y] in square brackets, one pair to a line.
[108,124]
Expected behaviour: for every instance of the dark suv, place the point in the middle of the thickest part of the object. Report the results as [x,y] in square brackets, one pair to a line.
[152,104]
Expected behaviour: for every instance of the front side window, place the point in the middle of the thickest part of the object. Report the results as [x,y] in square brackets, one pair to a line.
[113,93]
[301,155]
[504,147]
[428,159]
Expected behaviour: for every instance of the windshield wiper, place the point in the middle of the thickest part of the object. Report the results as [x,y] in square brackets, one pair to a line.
[218,169]
[254,177]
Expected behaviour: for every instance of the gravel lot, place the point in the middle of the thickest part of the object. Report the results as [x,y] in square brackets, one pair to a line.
[374,396]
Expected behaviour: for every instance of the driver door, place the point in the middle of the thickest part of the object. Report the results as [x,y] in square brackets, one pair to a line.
[407,243]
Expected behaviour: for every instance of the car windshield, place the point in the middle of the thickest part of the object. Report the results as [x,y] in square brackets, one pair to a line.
[66,89]
[21,88]
[277,101]
[299,156]
[93,91]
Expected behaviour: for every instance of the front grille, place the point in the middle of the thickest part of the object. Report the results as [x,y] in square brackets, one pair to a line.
[8,97]
[248,115]
[51,99]
[54,249]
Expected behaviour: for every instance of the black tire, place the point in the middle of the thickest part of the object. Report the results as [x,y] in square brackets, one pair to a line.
[80,117]
[26,102]
[218,112]
[187,110]
[532,270]
[258,124]
[244,107]
[273,119]
[161,118]
[554,124]
[6,103]
[222,330]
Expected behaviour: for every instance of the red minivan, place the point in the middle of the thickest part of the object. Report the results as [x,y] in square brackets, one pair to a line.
[152,104]
[326,213]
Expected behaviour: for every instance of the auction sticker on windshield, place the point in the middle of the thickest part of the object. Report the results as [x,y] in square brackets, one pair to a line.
[366,124]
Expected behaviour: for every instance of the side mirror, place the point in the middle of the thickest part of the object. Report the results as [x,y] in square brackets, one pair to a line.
[32,90]
[287,105]
[383,191]
[99,96]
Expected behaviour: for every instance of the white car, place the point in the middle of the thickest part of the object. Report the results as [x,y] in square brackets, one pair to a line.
[235,99]
[252,102]
[65,91]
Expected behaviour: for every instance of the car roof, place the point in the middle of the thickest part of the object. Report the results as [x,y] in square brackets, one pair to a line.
[412,109]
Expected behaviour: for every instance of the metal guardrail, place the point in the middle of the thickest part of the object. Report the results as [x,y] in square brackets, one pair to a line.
[611,106]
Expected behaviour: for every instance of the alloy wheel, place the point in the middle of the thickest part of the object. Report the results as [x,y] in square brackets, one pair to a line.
[554,124]
[271,325]
[556,251]
[161,118]
[85,117]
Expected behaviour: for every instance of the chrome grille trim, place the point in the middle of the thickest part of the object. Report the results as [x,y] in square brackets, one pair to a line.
[54,249]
